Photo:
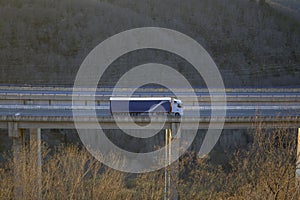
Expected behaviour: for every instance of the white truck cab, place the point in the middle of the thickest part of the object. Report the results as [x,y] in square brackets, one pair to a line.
[177,107]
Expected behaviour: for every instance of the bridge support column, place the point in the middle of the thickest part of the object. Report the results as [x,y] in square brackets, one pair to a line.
[298,158]
[35,151]
[172,139]
[18,151]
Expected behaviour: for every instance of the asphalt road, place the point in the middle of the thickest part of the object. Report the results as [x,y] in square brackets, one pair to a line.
[271,109]
[231,111]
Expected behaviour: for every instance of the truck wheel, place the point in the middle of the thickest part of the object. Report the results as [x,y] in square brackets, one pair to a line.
[177,114]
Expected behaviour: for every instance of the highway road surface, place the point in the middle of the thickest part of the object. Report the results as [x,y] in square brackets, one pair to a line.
[231,111]
[258,107]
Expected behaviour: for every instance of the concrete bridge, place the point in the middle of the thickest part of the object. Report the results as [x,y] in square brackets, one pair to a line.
[37,108]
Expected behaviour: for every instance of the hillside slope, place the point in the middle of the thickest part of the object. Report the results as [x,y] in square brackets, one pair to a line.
[44,42]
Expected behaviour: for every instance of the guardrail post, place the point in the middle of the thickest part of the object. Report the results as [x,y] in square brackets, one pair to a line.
[18,158]
[35,151]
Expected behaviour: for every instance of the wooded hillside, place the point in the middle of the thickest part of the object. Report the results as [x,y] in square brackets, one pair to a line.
[45,41]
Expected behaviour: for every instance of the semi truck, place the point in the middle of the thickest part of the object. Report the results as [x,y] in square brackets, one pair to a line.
[146,105]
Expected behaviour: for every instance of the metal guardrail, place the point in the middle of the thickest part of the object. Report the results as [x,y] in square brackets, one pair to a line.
[63,96]
[68,88]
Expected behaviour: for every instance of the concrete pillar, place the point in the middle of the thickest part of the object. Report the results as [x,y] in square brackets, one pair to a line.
[172,138]
[35,151]
[13,130]
[175,152]
[167,163]
[298,158]
[18,158]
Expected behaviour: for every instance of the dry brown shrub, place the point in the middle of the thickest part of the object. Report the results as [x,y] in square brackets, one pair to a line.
[265,170]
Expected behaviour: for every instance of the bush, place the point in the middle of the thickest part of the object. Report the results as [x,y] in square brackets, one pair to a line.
[265,170]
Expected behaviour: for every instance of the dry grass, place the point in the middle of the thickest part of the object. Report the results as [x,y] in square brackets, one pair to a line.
[266,170]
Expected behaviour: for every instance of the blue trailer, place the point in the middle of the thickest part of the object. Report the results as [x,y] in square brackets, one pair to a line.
[139,105]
